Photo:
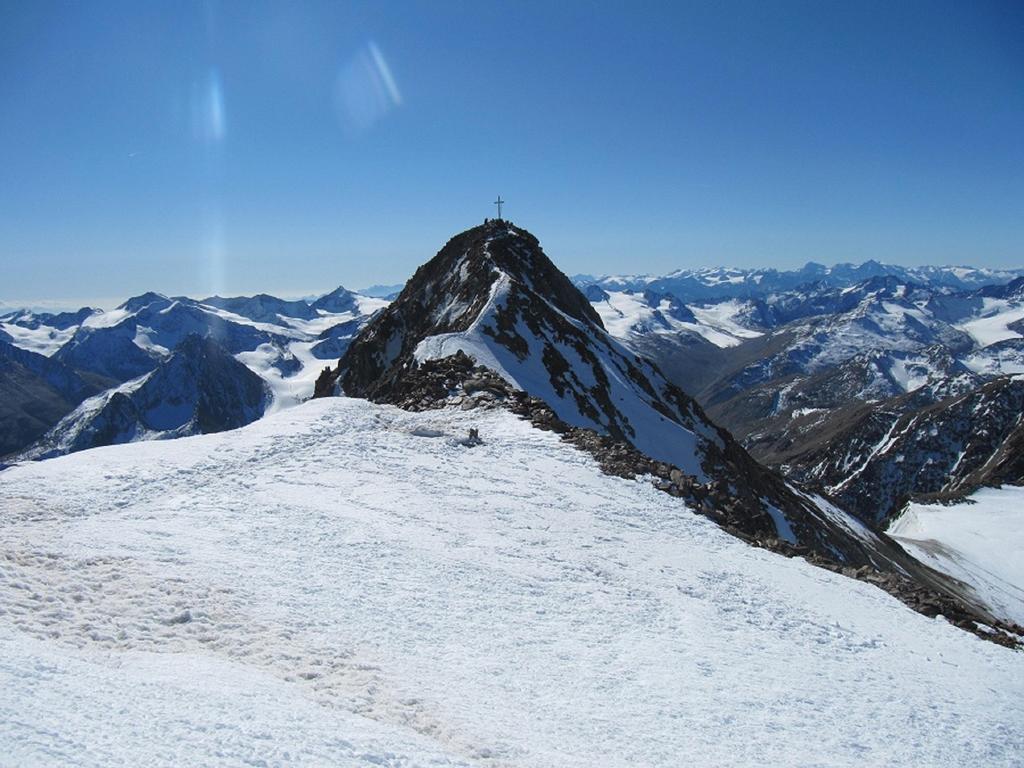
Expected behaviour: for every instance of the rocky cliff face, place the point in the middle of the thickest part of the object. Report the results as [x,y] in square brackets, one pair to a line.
[908,447]
[797,414]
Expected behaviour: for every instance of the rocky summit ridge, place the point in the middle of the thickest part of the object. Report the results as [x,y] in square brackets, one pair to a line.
[490,321]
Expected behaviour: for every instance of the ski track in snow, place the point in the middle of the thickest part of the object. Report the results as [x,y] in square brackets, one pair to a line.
[344,584]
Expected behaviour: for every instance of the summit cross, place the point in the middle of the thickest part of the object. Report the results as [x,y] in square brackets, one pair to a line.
[498,203]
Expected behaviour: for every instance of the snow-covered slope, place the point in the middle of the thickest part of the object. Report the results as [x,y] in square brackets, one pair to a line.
[41,332]
[630,315]
[352,586]
[995,321]
[979,540]
[492,295]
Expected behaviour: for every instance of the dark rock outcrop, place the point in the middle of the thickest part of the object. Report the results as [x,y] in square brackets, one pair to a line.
[890,452]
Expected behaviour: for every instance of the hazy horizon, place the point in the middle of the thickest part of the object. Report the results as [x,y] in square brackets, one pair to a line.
[67,304]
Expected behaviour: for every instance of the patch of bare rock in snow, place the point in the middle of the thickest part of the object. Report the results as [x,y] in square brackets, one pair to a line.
[351,584]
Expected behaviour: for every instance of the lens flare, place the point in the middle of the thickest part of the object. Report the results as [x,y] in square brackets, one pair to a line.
[214,251]
[365,90]
[209,119]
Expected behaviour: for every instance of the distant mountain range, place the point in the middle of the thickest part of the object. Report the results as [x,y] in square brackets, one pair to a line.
[724,282]
[156,366]
[199,388]
[801,410]
[873,385]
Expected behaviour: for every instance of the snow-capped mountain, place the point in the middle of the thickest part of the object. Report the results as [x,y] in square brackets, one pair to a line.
[796,414]
[492,294]
[797,332]
[281,340]
[135,337]
[263,308]
[631,315]
[42,332]
[491,314]
[774,367]
[822,330]
[341,300]
[199,388]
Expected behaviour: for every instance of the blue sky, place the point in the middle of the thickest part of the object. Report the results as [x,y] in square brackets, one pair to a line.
[289,147]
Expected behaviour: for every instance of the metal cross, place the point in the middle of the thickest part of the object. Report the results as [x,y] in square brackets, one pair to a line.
[498,203]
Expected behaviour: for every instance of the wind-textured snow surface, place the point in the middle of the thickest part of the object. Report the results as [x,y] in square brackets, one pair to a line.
[345,584]
[979,541]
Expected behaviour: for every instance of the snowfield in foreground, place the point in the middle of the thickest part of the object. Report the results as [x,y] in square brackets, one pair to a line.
[346,584]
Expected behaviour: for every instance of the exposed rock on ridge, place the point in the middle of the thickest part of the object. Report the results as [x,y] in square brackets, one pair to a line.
[490,320]
[897,450]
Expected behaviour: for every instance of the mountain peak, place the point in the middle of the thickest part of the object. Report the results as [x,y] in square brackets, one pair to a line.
[136,303]
[339,300]
[491,314]
[493,294]
[492,283]
[200,388]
